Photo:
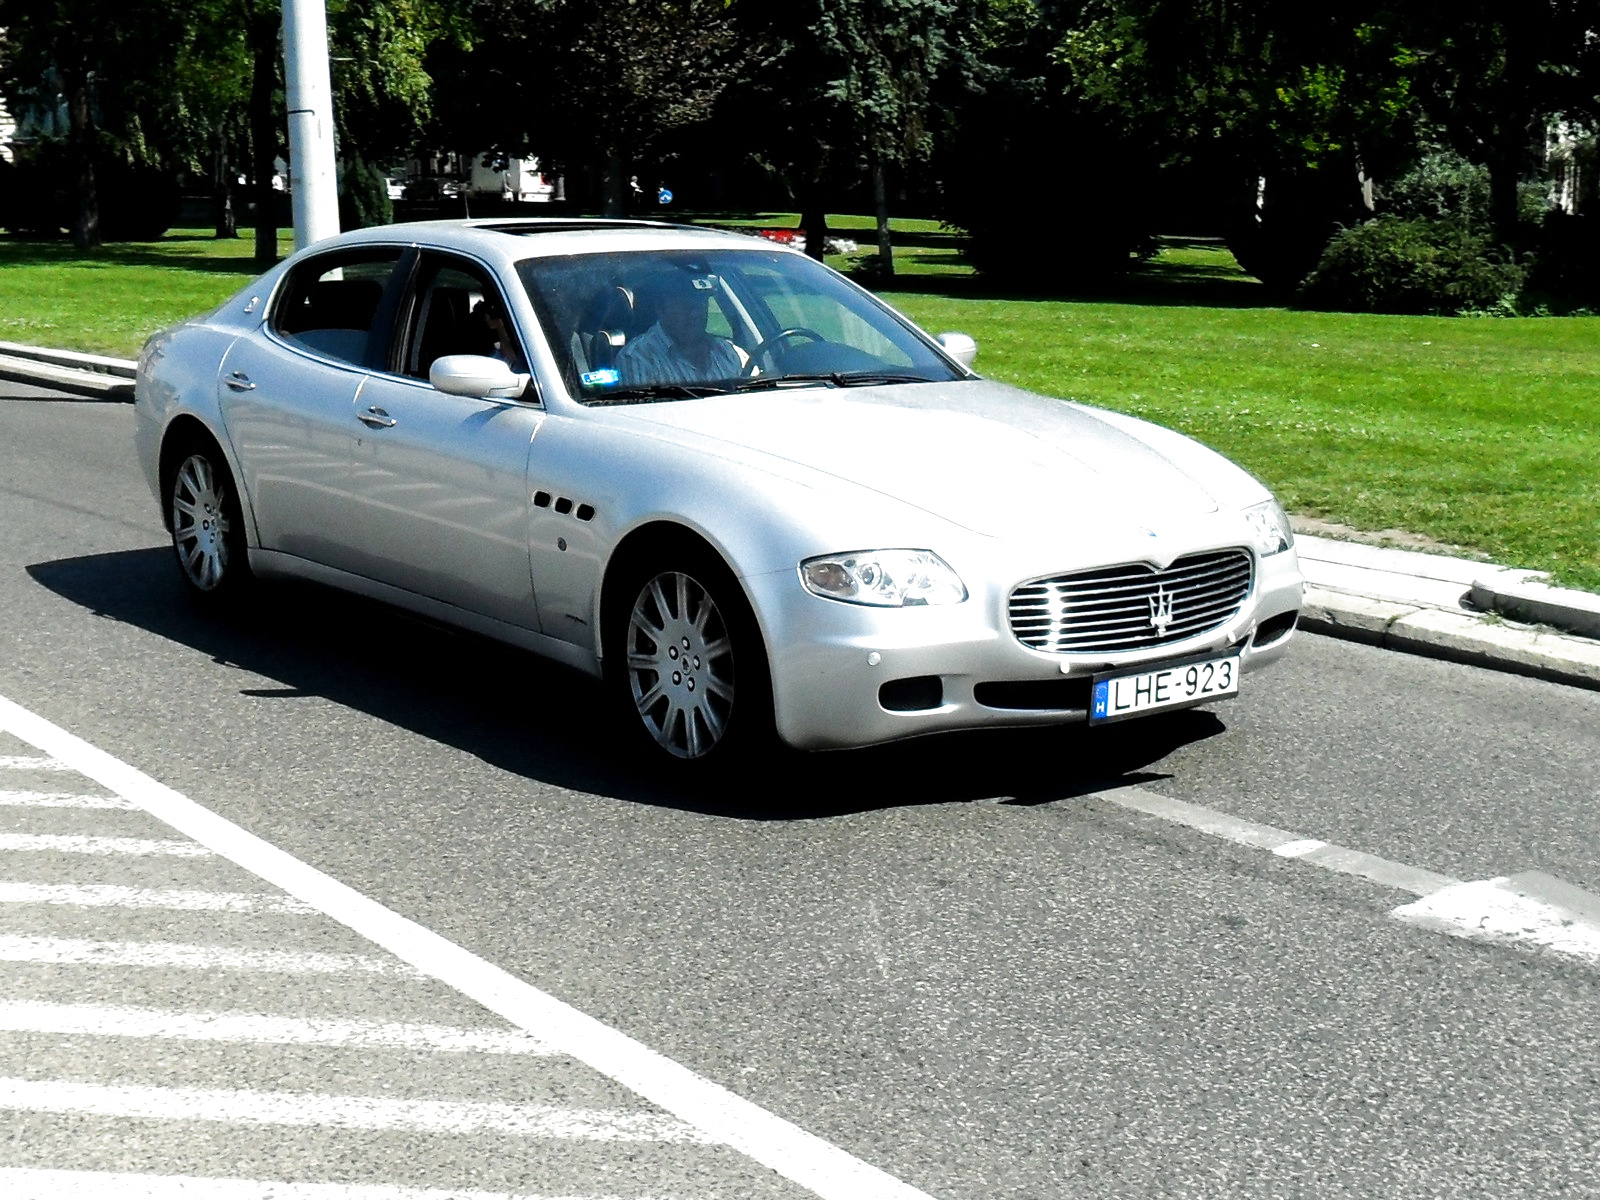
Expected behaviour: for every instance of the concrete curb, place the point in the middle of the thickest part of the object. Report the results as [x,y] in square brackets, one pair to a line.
[94,376]
[1474,638]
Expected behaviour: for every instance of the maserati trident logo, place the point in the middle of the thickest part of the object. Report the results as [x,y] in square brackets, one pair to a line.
[1160,610]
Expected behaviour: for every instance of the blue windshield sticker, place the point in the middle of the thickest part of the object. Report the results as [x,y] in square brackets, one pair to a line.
[604,377]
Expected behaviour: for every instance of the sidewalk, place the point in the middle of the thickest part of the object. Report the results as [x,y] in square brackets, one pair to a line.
[1428,604]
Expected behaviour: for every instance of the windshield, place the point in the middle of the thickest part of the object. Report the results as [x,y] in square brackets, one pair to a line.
[640,326]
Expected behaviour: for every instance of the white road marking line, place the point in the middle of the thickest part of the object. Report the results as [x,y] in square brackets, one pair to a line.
[1529,909]
[66,843]
[24,1183]
[1264,837]
[340,1112]
[98,1020]
[1487,910]
[106,895]
[1298,849]
[720,1114]
[30,762]
[62,800]
[75,951]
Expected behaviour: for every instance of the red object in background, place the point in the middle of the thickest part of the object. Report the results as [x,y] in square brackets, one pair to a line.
[784,237]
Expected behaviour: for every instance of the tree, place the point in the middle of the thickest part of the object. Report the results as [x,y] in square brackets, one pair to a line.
[1493,77]
[105,61]
[584,84]
[838,90]
[1281,109]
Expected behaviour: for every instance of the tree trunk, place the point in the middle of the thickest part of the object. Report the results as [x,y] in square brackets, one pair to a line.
[264,130]
[1503,180]
[814,220]
[86,215]
[880,201]
[225,219]
[611,202]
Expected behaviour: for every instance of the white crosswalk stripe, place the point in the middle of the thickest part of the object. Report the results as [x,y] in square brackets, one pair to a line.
[73,843]
[79,951]
[111,1021]
[109,895]
[11,799]
[33,1184]
[31,762]
[340,1112]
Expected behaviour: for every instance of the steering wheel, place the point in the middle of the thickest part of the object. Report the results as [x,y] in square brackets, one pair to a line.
[769,345]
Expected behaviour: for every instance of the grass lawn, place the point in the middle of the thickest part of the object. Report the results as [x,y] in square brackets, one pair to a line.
[107,301]
[1481,433]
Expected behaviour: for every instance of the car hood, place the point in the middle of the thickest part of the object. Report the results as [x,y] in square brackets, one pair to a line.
[990,458]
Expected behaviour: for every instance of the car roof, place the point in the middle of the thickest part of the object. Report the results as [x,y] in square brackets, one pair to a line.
[532,237]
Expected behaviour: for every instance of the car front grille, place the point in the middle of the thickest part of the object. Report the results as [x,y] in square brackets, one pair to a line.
[1132,607]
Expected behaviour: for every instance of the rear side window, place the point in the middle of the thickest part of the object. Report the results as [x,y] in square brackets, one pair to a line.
[330,303]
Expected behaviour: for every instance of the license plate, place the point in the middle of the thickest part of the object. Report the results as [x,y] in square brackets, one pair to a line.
[1134,693]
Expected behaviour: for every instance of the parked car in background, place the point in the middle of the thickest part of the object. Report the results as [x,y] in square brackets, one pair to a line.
[715,474]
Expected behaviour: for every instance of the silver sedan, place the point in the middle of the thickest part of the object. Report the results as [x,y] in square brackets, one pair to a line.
[748,495]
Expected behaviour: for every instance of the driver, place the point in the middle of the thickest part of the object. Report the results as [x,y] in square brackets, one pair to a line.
[677,348]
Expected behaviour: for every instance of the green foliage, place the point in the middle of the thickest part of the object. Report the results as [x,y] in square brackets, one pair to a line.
[831,89]
[1394,265]
[1051,190]
[363,195]
[582,84]
[1443,186]
[383,92]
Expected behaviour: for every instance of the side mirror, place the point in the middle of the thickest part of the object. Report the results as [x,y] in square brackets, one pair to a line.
[476,376]
[959,347]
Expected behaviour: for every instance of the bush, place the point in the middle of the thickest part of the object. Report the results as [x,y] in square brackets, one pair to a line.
[1394,265]
[137,203]
[1443,186]
[363,195]
[35,201]
[1566,271]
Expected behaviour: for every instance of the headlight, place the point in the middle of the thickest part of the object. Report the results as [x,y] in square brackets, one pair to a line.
[884,578]
[1269,527]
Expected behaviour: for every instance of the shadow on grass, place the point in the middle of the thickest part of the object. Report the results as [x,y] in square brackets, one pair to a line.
[1156,283]
[20,252]
[548,723]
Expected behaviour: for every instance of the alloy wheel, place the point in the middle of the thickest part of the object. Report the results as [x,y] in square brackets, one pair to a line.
[201,529]
[680,664]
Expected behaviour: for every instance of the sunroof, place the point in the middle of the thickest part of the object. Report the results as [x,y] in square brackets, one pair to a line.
[557,225]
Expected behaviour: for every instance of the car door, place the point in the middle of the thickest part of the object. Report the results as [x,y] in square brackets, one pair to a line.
[438,485]
[286,390]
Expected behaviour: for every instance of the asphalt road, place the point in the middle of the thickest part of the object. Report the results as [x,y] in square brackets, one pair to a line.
[954,960]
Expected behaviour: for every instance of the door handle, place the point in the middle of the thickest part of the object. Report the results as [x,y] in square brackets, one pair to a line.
[240,382]
[376,418]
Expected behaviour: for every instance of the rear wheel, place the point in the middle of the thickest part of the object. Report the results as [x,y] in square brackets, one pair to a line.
[207,524]
[689,674]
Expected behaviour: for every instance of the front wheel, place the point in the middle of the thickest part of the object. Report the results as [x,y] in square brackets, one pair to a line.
[690,674]
[207,524]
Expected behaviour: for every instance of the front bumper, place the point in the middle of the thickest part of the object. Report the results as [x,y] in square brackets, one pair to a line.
[959,666]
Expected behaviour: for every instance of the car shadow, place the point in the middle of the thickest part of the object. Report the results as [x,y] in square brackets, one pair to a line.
[548,722]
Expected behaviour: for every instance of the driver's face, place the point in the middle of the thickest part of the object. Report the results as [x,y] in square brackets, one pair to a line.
[683,316]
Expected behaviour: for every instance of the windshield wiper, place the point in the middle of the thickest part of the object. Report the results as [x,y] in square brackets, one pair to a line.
[761,383]
[648,393]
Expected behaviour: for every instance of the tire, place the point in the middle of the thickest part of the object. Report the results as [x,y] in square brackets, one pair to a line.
[207,524]
[688,675]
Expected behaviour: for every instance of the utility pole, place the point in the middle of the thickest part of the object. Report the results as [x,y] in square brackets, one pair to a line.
[314,189]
